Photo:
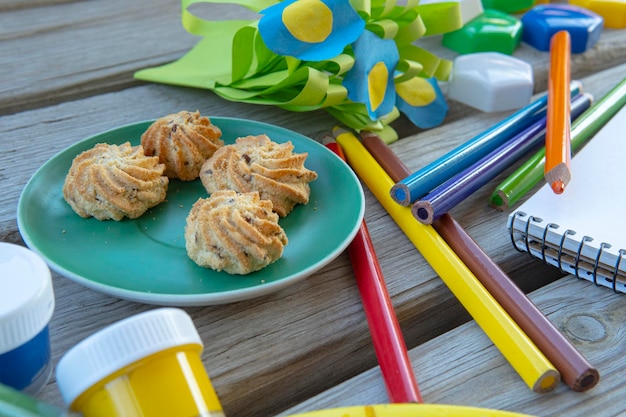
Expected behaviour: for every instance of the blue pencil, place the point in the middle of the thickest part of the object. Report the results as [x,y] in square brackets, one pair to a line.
[421,182]
[445,197]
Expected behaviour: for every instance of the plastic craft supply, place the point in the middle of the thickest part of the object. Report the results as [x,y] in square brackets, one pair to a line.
[146,365]
[543,21]
[493,31]
[491,81]
[612,11]
[26,307]
[508,6]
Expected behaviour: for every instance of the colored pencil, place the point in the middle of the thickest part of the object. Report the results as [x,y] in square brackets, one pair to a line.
[532,366]
[389,345]
[558,142]
[575,370]
[422,181]
[522,180]
[453,191]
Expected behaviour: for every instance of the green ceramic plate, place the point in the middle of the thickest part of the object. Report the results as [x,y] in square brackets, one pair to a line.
[144,260]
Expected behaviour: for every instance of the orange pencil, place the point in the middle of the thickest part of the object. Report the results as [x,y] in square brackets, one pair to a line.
[558,146]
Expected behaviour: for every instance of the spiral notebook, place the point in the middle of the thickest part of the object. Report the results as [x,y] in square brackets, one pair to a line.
[583,230]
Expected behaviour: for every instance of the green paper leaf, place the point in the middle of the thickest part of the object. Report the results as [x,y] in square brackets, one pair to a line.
[243,44]
[335,95]
[441,17]
[201,27]
[385,28]
[265,58]
[196,68]
[429,61]
[443,70]
[409,69]
[411,32]
[306,87]
[336,66]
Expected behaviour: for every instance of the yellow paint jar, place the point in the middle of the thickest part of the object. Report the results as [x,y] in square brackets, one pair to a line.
[147,365]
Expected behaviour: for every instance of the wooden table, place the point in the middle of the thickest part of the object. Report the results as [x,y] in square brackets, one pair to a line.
[67,74]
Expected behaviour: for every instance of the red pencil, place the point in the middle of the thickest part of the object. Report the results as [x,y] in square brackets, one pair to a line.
[575,370]
[387,337]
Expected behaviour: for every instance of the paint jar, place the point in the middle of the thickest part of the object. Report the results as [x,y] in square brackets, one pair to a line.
[146,365]
[26,307]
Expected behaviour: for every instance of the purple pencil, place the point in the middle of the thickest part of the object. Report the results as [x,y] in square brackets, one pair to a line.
[446,196]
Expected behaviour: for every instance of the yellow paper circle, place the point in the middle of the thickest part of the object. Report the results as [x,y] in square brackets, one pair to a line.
[416,91]
[308,20]
[377,84]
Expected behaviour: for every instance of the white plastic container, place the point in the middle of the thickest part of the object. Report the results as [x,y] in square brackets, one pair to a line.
[26,307]
[147,365]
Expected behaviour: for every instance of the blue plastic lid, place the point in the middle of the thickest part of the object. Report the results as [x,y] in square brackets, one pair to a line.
[543,21]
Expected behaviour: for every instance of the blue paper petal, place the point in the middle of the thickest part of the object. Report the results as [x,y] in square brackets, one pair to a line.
[310,30]
[374,58]
[425,116]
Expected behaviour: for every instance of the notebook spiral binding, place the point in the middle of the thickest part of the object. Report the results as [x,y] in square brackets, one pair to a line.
[570,262]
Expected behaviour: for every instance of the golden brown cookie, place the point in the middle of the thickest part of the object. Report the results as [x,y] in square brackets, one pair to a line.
[233,232]
[112,182]
[182,141]
[256,163]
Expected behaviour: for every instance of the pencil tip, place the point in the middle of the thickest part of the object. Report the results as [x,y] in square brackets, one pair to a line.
[558,186]
[498,201]
[338,130]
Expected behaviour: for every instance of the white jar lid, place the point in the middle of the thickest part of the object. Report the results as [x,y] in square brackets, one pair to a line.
[121,344]
[26,296]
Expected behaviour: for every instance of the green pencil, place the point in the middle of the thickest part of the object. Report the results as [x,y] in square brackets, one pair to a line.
[584,127]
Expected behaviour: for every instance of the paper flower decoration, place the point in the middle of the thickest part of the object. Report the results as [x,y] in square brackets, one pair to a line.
[357,60]
[422,102]
[370,81]
[312,30]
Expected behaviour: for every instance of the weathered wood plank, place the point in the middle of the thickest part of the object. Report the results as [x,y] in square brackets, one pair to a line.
[91,47]
[462,367]
[6,5]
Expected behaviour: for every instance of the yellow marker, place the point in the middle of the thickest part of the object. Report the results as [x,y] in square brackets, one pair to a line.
[532,366]
[148,365]
[409,410]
